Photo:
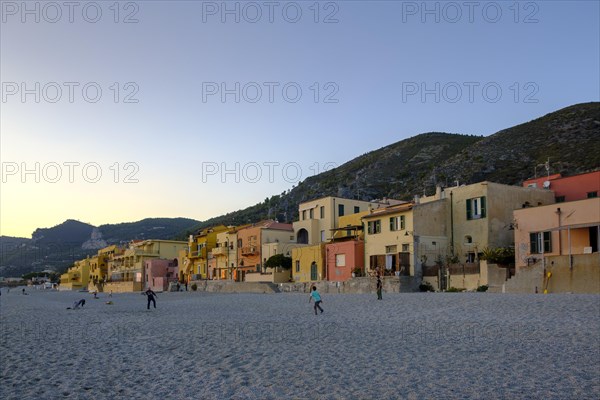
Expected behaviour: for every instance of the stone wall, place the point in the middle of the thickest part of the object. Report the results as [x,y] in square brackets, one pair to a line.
[582,275]
[526,280]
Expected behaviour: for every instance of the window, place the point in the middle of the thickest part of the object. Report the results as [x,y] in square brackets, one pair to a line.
[391,249]
[539,239]
[476,208]
[470,257]
[468,239]
[559,199]
[303,215]
[397,223]
[322,212]
[356,209]
[297,265]
[313,271]
[322,236]
[340,210]
[374,227]
[592,195]
[239,242]
[292,237]
[405,248]
[340,260]
[311,213]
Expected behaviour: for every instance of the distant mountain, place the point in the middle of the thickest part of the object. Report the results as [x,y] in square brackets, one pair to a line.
[569,137]
[58,247]
[70,231]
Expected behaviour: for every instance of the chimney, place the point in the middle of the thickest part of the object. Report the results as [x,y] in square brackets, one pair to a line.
[438,192]
[416,199]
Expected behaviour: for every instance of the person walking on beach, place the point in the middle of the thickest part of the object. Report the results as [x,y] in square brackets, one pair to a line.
[379,288]
[151,297]
[314,295]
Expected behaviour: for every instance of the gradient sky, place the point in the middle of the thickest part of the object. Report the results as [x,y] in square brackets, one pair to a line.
[372,58]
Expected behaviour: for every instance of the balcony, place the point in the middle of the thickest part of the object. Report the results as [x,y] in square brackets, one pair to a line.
[222,251]
[249,250]
[198,254]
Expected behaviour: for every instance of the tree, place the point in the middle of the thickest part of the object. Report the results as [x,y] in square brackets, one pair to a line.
[279,260]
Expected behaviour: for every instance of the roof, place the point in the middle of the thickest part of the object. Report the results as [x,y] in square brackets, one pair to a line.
[390,210]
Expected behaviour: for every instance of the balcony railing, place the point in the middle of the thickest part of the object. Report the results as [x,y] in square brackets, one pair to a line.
[220,251]
[249,250]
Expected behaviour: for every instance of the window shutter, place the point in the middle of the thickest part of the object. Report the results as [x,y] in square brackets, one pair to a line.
[533,243]
[392,224]
[483,207]
[469,215]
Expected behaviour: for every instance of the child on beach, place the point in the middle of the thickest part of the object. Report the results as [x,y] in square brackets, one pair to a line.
[317,297]
[76,304]
[151,297]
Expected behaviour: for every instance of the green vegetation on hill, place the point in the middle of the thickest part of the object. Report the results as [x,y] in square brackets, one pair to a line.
[569,137]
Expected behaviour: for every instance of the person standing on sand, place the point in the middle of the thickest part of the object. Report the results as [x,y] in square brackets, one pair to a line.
[379,288]
[151,297]
[317,297]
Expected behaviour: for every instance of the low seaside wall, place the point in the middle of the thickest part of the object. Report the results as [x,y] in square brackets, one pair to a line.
[225,286]
[122,287]
[355,285]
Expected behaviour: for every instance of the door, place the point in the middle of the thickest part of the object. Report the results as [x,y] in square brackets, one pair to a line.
[313,271]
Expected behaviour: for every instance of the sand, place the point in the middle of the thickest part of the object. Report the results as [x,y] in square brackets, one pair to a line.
[256,346]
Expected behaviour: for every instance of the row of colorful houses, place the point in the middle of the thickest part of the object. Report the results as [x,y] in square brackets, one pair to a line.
[440,239]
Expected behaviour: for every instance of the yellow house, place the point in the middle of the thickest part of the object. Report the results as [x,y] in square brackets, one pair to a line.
[308,263]
[199,249]
[350,226]
[77,277]
[389,241]
[318,218]
[125,270]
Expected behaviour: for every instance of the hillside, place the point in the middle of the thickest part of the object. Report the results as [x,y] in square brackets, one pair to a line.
[569,137]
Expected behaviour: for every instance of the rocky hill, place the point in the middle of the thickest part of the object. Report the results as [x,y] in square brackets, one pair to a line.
[570,138]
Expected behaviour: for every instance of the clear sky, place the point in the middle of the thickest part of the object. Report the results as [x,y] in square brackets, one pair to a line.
[114,113]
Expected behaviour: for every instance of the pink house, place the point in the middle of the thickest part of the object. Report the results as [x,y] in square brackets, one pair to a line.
[342,257]
[159,272]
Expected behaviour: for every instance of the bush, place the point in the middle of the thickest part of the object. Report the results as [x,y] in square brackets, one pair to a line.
[426,287]
[455,290]
[279,260]
[194,287]
[357,271]
[482,288]
[499,255]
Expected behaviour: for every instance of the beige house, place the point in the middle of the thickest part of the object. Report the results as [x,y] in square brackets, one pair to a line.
[456,224]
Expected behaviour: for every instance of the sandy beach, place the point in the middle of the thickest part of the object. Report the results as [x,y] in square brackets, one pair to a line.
[272,346]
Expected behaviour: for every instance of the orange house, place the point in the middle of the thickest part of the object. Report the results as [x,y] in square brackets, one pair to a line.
[249,244]
[569,188]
